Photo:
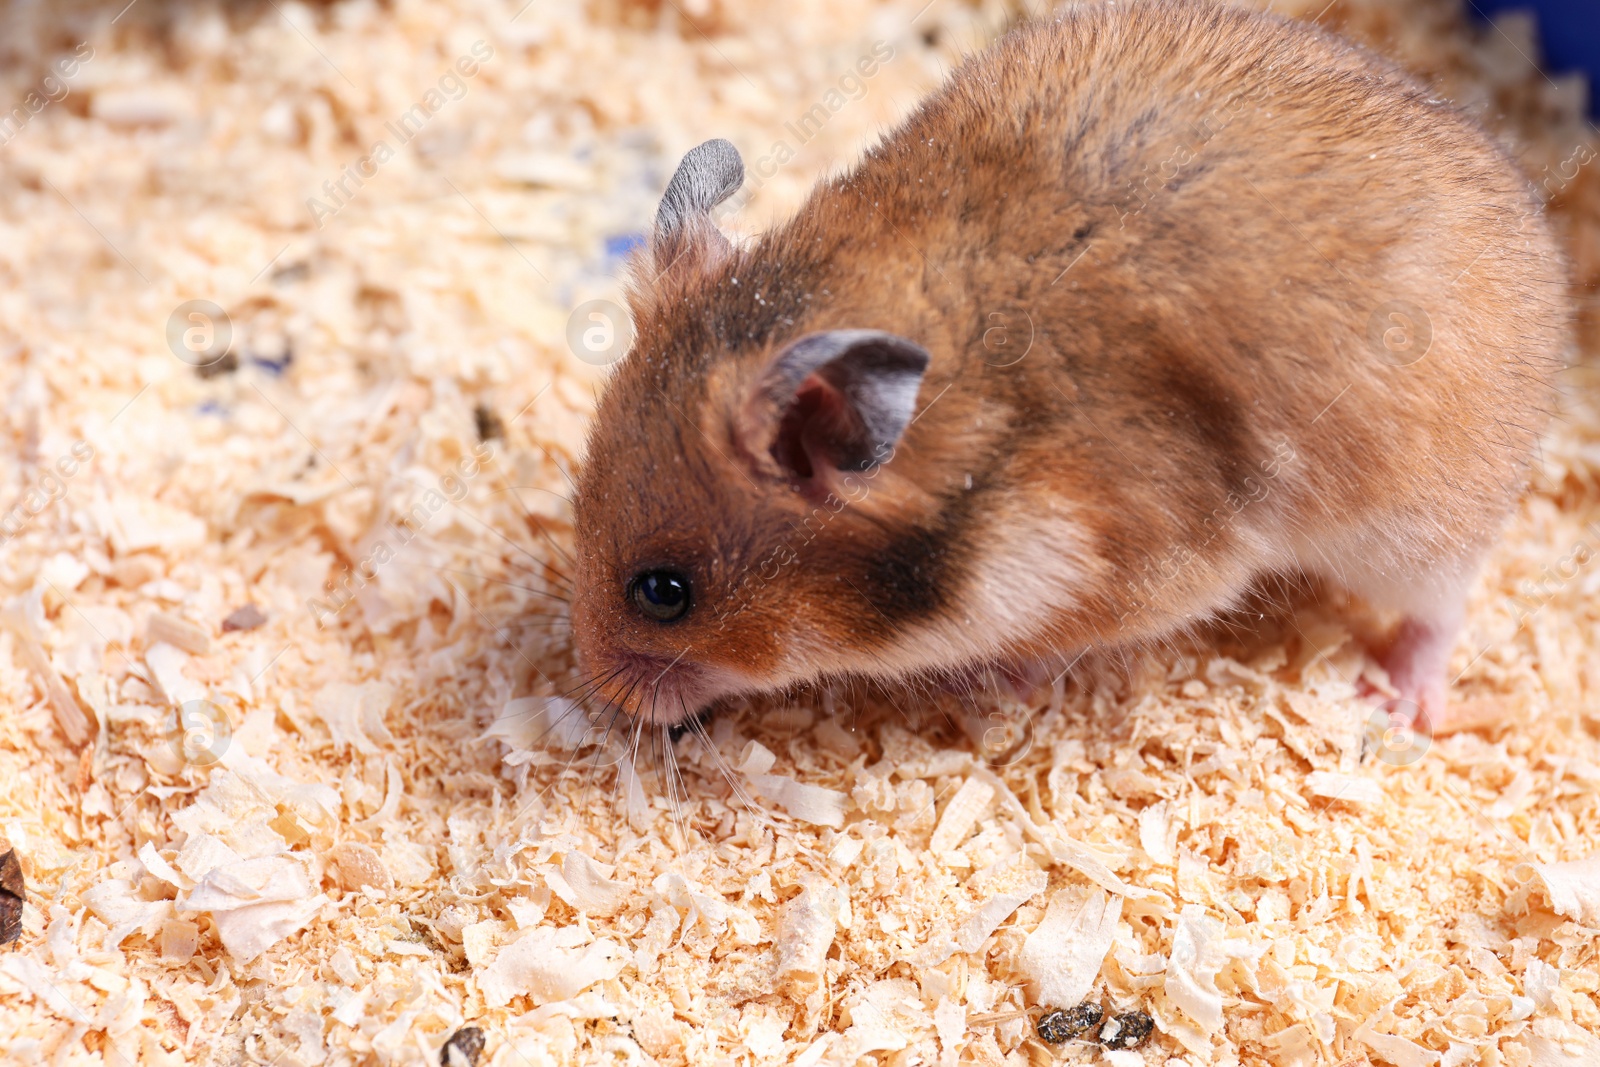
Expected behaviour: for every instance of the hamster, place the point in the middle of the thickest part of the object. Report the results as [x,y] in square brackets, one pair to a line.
[1147,304]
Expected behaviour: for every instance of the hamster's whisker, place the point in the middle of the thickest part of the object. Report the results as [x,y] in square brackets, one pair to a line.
[591,680]
[555,576]
[944,709]
[539,620]
[571,760]
[573,697]
[538,525]
[628,696]
[503,537]
[496,581]
[622,701]
[658,760]
[615,711]
[535,489]
[626,741]
[551,541]
[633,750]
[600,748]
[577,704]
[558,465]
[559,578]
[630,745]
[533,521]
[575,709]
[675,782]
[549,786]
[551,631]
[501,559]
[699,730]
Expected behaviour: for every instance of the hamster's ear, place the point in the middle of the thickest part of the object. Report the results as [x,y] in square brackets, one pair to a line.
[709,174]
[832,402]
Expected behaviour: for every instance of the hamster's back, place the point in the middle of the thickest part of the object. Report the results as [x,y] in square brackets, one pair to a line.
[1228,237]
[1239,207]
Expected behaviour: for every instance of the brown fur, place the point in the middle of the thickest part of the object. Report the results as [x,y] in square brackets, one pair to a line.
[1194,212]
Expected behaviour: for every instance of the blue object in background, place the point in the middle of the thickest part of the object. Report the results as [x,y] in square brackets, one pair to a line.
[1569,32]
[620,244]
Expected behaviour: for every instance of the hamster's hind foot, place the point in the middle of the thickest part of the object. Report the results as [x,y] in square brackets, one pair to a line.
[1417,661]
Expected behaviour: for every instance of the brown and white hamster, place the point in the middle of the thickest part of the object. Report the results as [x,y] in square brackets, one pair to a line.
[1264,307]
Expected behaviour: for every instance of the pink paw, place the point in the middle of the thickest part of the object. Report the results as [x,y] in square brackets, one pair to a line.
[1416,662]
[1401,729]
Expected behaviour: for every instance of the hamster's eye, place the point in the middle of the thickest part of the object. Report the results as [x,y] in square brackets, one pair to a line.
[662,595]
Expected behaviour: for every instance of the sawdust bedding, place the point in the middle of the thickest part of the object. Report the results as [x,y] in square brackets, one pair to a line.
[326,828]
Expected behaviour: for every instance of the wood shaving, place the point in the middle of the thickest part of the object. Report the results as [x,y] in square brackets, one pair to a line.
[1062,956]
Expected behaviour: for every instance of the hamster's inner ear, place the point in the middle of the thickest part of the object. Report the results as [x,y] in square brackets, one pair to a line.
[833,402]
[708,175]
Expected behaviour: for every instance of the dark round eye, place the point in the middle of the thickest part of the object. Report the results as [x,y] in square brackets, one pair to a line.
[662,595]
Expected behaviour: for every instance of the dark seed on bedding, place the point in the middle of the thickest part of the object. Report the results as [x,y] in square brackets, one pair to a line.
[1052,1027]
[13,894]
[1127,1030]
[227,363]
[246,618]
[1059,1026]
[463,1048]
[489,424]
